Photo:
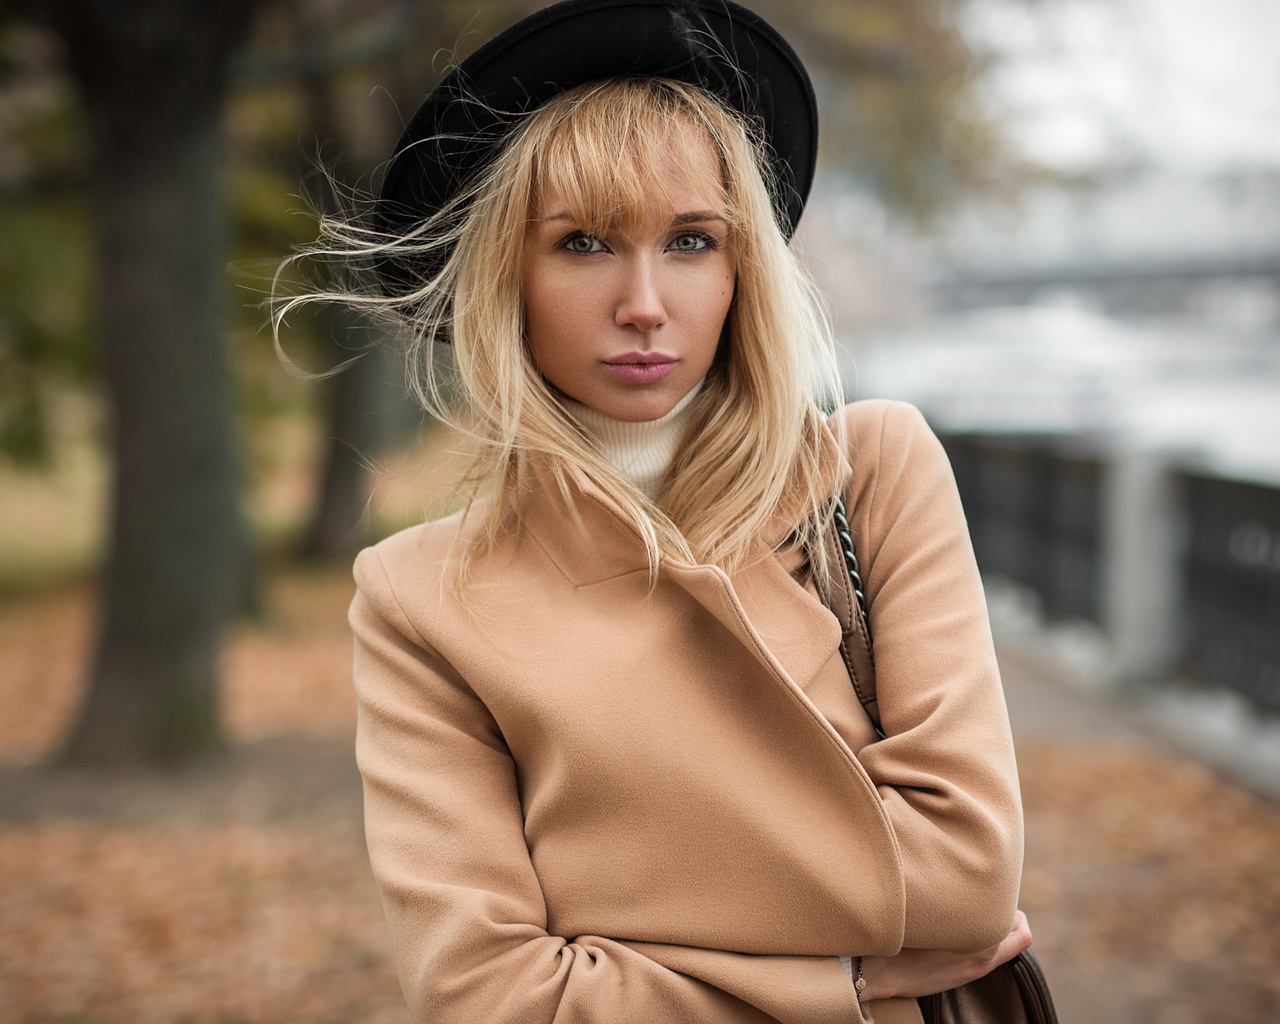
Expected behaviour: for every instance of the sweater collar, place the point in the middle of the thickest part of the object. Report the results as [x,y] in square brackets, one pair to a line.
[642,451]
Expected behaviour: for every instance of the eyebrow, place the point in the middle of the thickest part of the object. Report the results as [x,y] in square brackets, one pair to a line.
[691,217]
[695,216]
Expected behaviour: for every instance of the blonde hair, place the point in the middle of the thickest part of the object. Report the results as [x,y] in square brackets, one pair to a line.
[752,455]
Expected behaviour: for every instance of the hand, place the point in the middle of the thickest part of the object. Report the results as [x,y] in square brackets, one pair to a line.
[922,972]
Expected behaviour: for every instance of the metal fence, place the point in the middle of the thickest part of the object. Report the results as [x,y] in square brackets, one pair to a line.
[1038,515]
[1035,516]
[1231,584]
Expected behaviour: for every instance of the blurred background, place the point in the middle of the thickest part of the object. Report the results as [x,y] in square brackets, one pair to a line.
[1054,225]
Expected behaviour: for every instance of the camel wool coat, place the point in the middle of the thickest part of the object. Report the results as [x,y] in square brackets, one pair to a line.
[588,803]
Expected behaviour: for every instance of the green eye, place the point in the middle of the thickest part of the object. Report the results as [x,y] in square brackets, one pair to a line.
[583,244]
[689,243]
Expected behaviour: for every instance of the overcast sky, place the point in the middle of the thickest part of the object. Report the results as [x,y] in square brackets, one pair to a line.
[1084,84]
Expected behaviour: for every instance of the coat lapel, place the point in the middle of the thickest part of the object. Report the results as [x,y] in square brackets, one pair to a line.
[782,623]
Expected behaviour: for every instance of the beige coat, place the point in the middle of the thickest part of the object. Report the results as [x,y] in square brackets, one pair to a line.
[583,805]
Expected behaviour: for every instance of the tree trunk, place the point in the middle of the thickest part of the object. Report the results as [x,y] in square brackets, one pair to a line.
[152,75]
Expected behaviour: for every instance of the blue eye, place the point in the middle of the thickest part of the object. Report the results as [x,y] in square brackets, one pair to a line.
[583,244]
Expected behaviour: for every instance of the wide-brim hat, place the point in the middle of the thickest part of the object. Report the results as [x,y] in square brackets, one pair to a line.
[719,45]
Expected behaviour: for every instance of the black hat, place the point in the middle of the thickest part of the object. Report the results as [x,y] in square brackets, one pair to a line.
[719,45]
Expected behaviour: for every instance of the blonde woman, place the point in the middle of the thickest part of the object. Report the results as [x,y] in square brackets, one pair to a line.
[614,766]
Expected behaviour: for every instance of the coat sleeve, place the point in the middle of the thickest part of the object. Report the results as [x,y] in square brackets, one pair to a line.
[467,917]
[946,770]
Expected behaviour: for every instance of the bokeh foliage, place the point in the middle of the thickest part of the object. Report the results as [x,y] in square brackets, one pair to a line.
[327,83]
[45,249]
[898,91]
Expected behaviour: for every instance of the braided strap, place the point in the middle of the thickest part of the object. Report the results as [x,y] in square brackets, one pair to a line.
[840,517]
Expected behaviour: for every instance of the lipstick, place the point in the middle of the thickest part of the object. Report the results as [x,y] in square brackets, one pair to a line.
[640,367]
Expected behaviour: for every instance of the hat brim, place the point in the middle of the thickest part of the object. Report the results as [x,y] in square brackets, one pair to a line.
[723,47]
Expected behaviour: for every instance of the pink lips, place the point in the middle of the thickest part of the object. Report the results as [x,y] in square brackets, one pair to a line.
[641,367]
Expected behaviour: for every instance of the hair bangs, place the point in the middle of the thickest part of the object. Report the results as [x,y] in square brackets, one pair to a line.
[607,155]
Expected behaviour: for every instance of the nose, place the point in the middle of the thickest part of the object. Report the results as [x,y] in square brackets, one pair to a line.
[640,303]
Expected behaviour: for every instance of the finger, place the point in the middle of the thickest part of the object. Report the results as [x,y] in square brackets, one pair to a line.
[993,953]
[1018,940]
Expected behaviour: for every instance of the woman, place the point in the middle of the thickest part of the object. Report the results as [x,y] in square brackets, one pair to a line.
[614,766]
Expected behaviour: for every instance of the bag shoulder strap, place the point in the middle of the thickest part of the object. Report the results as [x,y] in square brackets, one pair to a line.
[842,591]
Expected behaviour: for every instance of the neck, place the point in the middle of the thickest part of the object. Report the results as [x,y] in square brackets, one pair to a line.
[643,451]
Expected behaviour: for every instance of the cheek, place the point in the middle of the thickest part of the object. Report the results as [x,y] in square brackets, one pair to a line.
[553,324]
[541,305]
[724,295]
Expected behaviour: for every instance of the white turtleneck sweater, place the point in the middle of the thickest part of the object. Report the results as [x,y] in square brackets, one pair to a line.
[643,451]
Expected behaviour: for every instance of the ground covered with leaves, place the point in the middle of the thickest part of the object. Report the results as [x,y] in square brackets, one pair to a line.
[237,891]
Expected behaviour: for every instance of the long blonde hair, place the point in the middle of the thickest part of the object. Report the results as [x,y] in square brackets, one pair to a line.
[752,454]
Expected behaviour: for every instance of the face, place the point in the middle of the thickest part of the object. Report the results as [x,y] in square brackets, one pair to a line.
[628,325]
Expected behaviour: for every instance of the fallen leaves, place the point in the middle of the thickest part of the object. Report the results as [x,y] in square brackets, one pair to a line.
[1143,860]
[230,923]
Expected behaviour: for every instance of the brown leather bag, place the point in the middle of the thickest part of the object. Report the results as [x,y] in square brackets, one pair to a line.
[1011,994]
[1015,992]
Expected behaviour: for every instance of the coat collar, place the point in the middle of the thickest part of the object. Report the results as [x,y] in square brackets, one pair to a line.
[589,538]
[584,533]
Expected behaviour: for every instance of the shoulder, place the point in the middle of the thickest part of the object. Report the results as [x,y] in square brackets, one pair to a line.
[875,418]
[885,438]
[412,552]
[413,568]
[899,470]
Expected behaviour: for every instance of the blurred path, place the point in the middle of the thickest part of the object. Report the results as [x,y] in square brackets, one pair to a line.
[284,781]
[1150,879]
[1041,708]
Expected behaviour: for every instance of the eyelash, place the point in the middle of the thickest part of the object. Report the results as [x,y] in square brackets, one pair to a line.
[708,242]
[566,244]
